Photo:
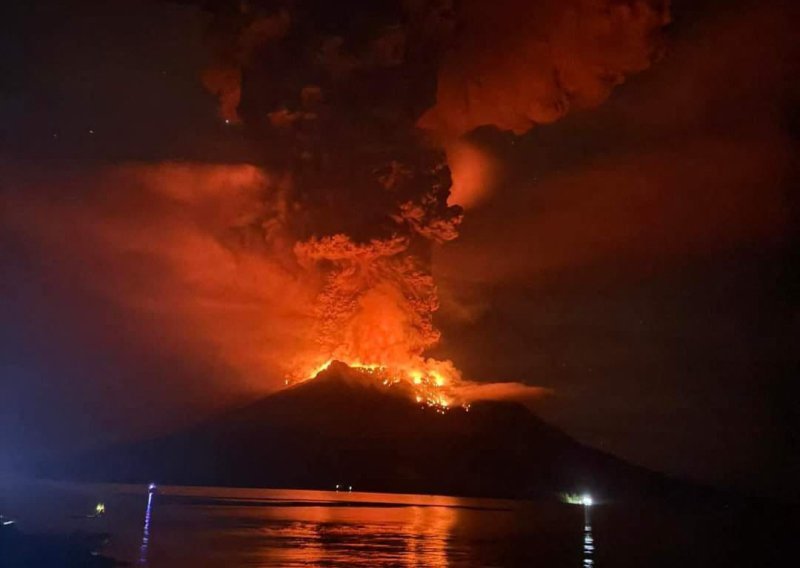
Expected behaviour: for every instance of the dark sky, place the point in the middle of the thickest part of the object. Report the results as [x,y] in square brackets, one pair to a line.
[637,258]
[641,260]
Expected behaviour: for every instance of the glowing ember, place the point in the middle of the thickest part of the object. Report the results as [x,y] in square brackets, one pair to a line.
[430,386]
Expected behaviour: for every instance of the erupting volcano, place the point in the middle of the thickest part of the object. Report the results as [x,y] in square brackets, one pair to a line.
[321,248]
[346,427]
[381,283]
[362,119]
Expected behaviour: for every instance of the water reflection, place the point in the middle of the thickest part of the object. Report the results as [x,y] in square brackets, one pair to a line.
[219,527]
[588,540]
[350,534]
[428,536]
[146,531]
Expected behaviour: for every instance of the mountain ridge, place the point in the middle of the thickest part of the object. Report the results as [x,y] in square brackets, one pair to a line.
[345,427]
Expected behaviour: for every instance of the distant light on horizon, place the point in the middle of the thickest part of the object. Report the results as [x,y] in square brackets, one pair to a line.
[584,499]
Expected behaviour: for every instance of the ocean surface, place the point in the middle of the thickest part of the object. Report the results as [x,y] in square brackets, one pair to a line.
[224,527]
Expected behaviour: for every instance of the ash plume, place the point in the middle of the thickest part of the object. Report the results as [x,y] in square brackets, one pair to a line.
[196,256]
[359,110]
[322,248]
[331,100]
[235,44]
[517,63]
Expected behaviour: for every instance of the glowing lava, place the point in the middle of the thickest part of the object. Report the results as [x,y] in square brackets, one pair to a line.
[430,382]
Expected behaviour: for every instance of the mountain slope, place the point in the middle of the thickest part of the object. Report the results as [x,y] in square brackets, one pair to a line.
[345,428]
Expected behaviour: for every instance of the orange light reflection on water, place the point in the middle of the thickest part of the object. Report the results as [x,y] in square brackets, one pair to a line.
[315,528]
[357,532]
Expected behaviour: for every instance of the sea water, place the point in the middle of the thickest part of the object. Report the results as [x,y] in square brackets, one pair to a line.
[175,526]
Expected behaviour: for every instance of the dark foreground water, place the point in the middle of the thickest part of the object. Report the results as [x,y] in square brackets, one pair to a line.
[211,526]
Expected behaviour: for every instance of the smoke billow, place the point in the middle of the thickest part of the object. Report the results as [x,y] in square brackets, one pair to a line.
[377,301]
[513,64]
[323,247]
[235,45]
[360,111]
[517,63]
[195,255]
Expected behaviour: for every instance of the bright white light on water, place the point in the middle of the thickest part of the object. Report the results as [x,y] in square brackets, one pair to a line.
[146,531]
[587,500]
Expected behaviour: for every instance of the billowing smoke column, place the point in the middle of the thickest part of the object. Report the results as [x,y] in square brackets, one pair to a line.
[353,107]
[331,97]
[516,63]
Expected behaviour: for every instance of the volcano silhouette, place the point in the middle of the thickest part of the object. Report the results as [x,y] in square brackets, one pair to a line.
[346,428]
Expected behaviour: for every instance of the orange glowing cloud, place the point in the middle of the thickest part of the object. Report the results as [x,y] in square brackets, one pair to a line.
[518,392]
[377,301]
[202,264]
[516,63]
[700,162]
[474,172]
[185,250]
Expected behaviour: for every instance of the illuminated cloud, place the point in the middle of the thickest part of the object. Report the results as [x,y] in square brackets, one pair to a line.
[516,63]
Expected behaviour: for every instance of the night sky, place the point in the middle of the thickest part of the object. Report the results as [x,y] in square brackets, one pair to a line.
[637,257]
